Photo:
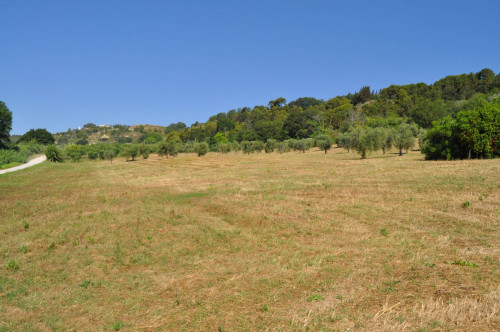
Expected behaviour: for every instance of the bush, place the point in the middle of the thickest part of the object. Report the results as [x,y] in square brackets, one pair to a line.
[109,155]
[131,152]
[247,147]
[74,152]
[54,154]
[201,148]
[224,148]
[168,148]
[469,134]
[270,145]
[324,142]
[258,146]
[144,151]
[11,156]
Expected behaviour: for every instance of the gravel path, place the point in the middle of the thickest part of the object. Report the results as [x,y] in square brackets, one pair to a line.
[30,163]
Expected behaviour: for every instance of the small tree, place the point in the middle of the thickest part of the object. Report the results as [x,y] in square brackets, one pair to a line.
[168,148]
[366,140]
[344,141]
[54,154]
[5,124]
[131,152]
[201,148]
[93,154]
[109,155]
[75,152]
[247,147]
[258,146]
[300,145]
[223,148]
[270,145]
[144,151]
[388,140]
[403,137]
[324,142]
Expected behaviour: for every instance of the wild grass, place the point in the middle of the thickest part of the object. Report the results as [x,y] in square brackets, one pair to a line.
[290,241]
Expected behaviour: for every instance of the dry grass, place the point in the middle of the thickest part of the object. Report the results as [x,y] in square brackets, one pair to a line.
[261,242]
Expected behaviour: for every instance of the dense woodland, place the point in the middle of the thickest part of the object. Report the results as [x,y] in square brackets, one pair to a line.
[443,117]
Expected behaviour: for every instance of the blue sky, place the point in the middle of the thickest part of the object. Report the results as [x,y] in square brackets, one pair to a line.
[66,63]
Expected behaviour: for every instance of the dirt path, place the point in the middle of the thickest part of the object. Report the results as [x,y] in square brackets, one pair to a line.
[30,163]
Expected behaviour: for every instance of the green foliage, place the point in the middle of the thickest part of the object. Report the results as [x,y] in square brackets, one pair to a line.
[54,154]
[315,297]
[144,151]
[366,140]
[109,155]
[270,145]
[470,134]
[13,265]
[464,263]
[344,141]
[131,152]
[12,156]
[247,147]
[201,148]
[324,142]
[224,148]
[167,149]
[404,137]
[258,146]
[93,154]
[41,136]
[74,152]
[5,124]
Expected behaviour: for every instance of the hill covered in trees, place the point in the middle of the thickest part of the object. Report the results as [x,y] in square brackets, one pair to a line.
[462,111]
[417,105]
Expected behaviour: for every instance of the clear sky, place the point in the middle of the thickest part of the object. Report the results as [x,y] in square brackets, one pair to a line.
[68,62]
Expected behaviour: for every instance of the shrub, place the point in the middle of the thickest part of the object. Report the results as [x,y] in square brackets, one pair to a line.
[247,147]
[75,152]
[470,134]
[54,154]
[168,148]
[11,156]
[201,148]
[93,154]
[144,151]
[324,142]
[270,145]
[223,147]
[131,152]
[258,146]
[109,155]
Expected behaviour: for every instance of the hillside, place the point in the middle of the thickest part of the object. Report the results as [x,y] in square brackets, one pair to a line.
[419,103]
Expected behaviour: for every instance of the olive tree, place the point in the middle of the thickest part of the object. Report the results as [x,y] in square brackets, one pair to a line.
[404,137]
[324,142]
[201,148]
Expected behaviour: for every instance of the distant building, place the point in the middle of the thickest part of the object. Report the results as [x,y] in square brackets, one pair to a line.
[105,126]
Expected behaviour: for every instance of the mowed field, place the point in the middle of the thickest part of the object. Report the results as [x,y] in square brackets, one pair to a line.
[294,241]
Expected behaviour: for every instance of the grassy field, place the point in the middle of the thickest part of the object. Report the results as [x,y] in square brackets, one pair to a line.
[261,242]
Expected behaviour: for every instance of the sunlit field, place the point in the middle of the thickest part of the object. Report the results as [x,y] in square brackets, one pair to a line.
[290,241]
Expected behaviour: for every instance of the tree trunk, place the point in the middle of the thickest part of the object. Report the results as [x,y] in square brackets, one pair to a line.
[400,152]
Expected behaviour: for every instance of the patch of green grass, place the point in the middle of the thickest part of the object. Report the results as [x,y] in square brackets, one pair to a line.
[10,165]
[13,265]
[464,263]
[384,232]
[315,297]
[117,326]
